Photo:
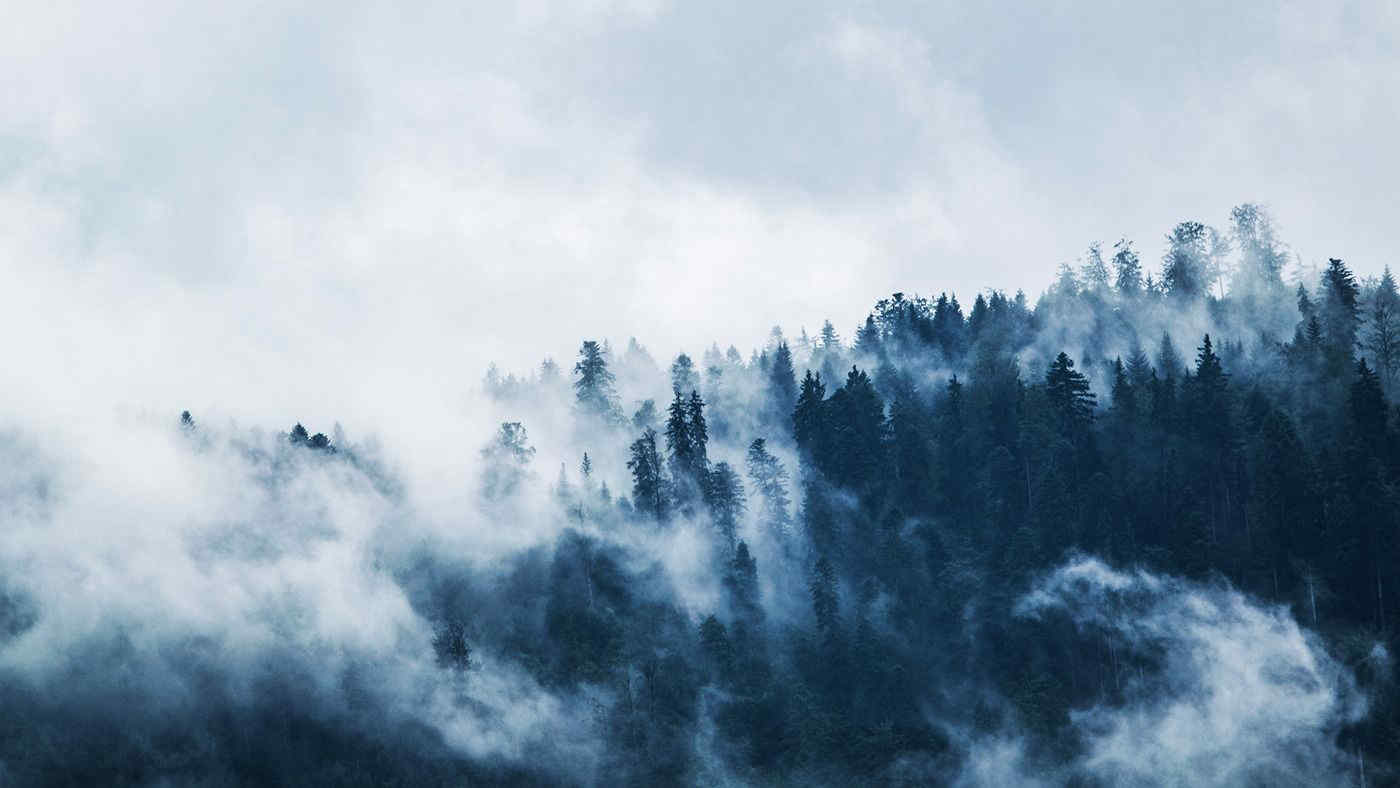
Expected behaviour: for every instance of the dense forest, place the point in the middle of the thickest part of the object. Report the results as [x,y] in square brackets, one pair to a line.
[1144,530]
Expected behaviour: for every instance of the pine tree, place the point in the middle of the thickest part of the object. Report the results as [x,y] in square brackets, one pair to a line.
[1340,310]
[1184,267]
[683,375]
[1095,272]
[1069,395]
[593,386]
[1368,408]
[699,434]
[1127,268]
[807,417]
[831,341]
[1261,255]
[1383,332]
[1169,363]
[506,460]
[725,494]
[1139,368]
[741,586]
[868,342]
[770,479]
[648,483]
[1124,398]
[782,386]
[856,419]
[681,452]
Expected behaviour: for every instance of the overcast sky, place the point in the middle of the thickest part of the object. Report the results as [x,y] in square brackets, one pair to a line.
[334,210]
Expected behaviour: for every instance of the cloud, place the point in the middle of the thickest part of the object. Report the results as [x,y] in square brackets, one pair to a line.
[1217,689]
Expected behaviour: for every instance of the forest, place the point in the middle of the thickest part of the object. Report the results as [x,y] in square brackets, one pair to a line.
[1143,530]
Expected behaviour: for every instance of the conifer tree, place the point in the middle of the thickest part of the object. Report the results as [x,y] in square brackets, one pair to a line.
[1069,394]
[593,384]
[807,417]
[1127,268]
[648,482]
[770,479]
[725,495]
[782,386]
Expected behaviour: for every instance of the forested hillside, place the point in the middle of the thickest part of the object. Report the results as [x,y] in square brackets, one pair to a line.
[1143,530]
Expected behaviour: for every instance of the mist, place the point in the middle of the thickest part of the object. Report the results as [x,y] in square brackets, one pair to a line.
[623,393]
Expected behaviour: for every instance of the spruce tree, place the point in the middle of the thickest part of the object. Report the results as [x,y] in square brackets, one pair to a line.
[648,482]
[593,384]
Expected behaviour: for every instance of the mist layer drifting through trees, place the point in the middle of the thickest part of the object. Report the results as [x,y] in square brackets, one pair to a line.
[1144,532]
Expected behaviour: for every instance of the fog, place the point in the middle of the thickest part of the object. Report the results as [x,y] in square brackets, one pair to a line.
[396,228]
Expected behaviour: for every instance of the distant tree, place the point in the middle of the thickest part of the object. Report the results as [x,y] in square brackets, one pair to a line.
[1069,394]
[770,479]
[450,645]
[1138,367]
[741,586]
[699,433]
[1368,407]
[299,436]
[593,384]
[830,340]
[645,415]
[725,495]
[648,481]
[186,421]
[856,420]
[1383,331]
[714,642]
[868,338]
[1095,271]
[506,460]
[807,417]
[681,452]
[1340,311]
[684,378]
[1169,362]
[1066,283]
[1261,255]
[782,386]
[1127,268]
[1185,265]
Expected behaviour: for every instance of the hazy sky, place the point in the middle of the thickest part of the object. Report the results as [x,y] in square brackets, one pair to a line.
[343,208]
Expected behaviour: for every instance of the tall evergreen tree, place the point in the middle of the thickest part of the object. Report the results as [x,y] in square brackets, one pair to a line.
[1383,330]
[1069,394]
[1340,310]
[1095,271]
[684,377]
[1127,268]
[770,479]
[807,416]
[1184,267]
[725,495]
[648,481]
[782,386]
[593,384]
